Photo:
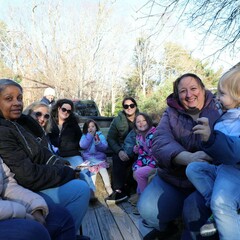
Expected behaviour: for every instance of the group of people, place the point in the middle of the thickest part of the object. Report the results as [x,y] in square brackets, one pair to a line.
[24,150]
[48,166]
[196,155]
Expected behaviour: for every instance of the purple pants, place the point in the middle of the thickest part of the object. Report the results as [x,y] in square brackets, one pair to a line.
[141,175]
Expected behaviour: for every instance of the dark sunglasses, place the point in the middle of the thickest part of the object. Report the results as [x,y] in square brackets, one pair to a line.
[39,114]
[126,106]
[66,110]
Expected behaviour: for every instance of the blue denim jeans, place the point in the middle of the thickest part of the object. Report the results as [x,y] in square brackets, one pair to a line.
[59,226]
[23,229]
[195,213]
[160,203]
[73,195]
[59,223]
[219,185]
[203,176]
[225,202]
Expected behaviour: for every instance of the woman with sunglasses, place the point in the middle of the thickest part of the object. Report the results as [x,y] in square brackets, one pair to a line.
[40,112]
[34,166]
[119,129]
[65,134]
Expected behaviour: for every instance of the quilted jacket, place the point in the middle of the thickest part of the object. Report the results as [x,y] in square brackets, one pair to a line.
[16,201]
[174,134]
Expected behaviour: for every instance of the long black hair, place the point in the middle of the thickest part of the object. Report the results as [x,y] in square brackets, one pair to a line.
[58,104]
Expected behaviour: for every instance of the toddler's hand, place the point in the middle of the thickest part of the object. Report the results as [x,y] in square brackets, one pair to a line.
[202,128]
[96,138]
[135,148]
[38,216]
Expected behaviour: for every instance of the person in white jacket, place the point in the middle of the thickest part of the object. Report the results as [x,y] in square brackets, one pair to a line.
[24,215]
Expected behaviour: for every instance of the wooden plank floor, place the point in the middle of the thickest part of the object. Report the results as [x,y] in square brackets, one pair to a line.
[113,222]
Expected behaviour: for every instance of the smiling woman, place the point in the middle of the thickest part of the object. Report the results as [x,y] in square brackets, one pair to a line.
[34,165]
[170,194]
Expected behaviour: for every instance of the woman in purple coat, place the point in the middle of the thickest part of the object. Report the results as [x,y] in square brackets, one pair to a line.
[175,145]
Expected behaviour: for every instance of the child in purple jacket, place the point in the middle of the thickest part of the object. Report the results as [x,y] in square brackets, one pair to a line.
[94,145]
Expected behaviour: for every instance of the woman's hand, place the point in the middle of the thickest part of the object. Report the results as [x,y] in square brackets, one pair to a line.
[202,128]
[200,156]
[38,216]
[123,156]
[184,158]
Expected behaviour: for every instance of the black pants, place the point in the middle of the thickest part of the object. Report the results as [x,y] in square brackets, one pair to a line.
[122,175]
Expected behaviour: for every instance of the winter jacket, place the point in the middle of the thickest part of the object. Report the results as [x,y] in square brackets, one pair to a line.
[224,142]
[223,149]
[16,201]
[45,100]
[66,140]
[144,150]
[129,143]
[34,166]
[119,129]
[174,134]
[92,150]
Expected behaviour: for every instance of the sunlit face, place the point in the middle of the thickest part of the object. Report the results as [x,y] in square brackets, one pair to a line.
[41,115]
[92,128]
[11,103]
[226,100]
[64,111]
[141,123]
[190,93]
[129,111]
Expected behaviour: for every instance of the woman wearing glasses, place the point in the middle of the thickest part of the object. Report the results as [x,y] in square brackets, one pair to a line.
[65,132]
[118,131]
[65,135]
[40,111]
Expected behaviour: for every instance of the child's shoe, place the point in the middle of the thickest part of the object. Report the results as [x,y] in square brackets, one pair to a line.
[209,228]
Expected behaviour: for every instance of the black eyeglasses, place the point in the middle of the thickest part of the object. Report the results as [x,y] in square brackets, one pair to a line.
[39,114]
[126,106]
[66,110]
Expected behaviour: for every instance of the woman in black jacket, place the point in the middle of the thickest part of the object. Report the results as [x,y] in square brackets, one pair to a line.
[34,166]
[65,135]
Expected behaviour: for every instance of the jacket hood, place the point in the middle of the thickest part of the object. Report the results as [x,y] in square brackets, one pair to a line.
[174,103]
